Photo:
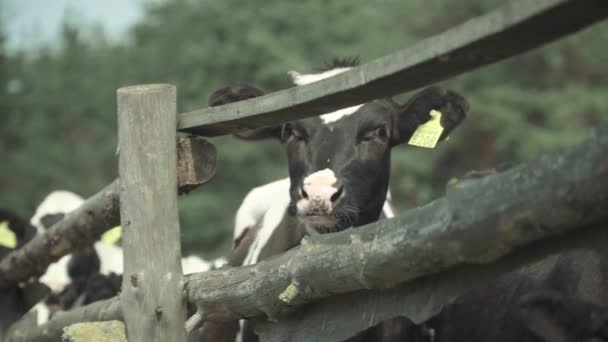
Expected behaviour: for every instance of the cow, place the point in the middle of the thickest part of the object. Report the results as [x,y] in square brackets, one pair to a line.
[17,300]
[339,167]
[561,298]
[338,177]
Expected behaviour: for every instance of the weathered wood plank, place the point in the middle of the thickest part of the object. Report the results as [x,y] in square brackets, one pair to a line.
[517,27]
[552,204]
[196,165]
[151,298]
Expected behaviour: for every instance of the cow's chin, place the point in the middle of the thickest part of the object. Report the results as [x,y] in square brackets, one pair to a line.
[323,224]
[341,218]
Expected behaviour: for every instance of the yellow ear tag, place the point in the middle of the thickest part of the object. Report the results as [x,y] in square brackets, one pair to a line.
[112,236]
[427,134]
[7,237]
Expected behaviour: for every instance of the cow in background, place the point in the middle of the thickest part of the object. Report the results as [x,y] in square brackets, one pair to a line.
[17,300]
[90,274]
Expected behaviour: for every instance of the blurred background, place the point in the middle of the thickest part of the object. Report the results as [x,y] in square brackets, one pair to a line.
[61,62]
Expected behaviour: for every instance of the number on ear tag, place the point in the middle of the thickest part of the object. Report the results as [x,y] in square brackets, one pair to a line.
[427,135]
[7,237]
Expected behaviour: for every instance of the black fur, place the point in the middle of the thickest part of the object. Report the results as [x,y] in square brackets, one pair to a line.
[346,62]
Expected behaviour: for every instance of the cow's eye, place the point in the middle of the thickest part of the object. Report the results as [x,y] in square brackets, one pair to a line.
[290,132]
[379,133]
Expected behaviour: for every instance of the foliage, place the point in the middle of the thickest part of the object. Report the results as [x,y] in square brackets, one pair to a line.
[58,102]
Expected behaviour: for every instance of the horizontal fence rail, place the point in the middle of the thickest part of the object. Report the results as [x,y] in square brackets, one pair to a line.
[517,27]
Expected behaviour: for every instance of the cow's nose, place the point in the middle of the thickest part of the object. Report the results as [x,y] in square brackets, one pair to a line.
[322,193]
[322,187]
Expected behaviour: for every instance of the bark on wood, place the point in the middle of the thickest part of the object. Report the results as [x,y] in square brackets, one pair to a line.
[196,160]
[110,331]
[99,213]
[26,331]
[151,296]
[442,248]
[517,27]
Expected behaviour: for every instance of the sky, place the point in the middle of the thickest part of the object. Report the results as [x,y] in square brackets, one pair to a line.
[32,22]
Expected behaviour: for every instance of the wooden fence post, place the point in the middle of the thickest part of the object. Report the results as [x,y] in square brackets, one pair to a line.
[152,296]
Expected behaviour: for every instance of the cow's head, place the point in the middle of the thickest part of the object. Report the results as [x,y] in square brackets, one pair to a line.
[339,163]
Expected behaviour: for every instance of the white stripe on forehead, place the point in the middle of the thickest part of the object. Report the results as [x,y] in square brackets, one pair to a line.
[302,79]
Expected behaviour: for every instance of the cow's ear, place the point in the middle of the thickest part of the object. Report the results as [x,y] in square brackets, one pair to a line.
[242,92]
[551,316]
[417,111]
[233,93]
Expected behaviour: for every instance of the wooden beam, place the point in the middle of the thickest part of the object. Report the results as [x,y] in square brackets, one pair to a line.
[84,226]
[519,26]
[151,295]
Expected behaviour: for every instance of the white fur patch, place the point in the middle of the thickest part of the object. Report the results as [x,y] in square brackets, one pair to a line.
[42,313]
[302,79]
[56,202]
[387,208]
[271,221]
[56,275]
[268,204]
[257,203]
[194,264]
[325,176]
[110,257]
[239,335]
[339,114]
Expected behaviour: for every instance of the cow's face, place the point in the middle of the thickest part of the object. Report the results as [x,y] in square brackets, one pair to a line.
[339,167]
[339,163]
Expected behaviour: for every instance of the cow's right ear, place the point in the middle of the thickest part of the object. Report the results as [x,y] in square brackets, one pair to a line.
[242,92]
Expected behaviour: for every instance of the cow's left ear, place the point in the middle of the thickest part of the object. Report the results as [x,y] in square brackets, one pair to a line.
[242,92]
[417,111]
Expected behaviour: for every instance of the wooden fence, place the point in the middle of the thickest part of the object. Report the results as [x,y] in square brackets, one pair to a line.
[154,292]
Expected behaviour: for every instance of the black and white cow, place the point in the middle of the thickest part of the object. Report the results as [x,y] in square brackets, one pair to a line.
[17,300]
[338,178]
[90,274]
[339,165]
